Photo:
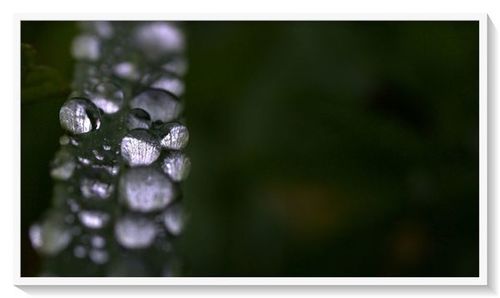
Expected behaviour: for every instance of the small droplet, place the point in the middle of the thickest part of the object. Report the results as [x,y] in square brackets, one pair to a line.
[159,104]
[63,165]
[135,232]
[103,29]
[177,166]
[173,218]
[167,82]
[106,147]
[108,97]
[98,155]
[64,140]
[127,71]
[178,66]
[98,241]
[84,161]
[93,219]
[138,147]
[94,188]
[98,256]
[86,47]
[174,136]
[156,39]
[79,251]
[79,115]
[50,237]
[138,118]
[145,189]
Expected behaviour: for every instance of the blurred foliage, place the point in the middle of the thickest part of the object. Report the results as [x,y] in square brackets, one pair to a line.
[318,148]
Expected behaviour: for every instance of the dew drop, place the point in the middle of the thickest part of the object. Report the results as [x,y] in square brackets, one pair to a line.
[178,66]
[103,29]
[138,118]
[79,115]
[156,39]
[173,218]
[98,241]
[84,161]
[138,147]
[145,189]
[175,136]
[93,219]
[159,104]
[94,188]
[177,166]
[135,232]
[127,71]
[86,47]
[64,140]
[63,165]
[108,97]
[106,147]
[167,82]
[98,256]
[79,251]
[50,237]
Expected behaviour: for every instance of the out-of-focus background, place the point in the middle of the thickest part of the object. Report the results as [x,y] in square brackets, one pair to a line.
[318,148]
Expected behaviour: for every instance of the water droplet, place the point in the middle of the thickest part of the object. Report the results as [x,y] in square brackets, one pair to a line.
[63,165]
[94,188]
[98,256]
[79,251]
[79,115]
[108,97]
[177,166]
[64,140]
[173,218]
[98,241]
[86,47]
[135,232]
[127,71]
[138,118]
[159,104]
[145,189]
[106,147]
[98,155]
[93,219]
[138,147]
[74,142]
[178,66]
[174,136]
[103,29]
[50,237]
[167,82]
[84,161]
[156,39]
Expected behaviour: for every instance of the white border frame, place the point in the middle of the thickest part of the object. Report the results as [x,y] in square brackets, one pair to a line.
[295,281]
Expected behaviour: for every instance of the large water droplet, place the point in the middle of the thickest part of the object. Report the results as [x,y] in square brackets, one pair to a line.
[50,237]
[108,97]
[86,47]
[177,166]
[156,39]
[138,147]
[145,189]
[95,188]
[63,165]
[138,118]
[167,82]
[173,218]
[174,136]
[135,232]
[159,104]
[79,115]
[93,219]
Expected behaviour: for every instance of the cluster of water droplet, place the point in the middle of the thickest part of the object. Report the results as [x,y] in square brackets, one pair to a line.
[117,198]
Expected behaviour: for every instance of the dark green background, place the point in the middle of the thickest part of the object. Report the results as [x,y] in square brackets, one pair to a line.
[318,148]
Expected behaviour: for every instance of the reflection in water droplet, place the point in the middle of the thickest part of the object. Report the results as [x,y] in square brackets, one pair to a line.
[84,161]
[50,237]
[175,136]
[79,115]
[93,188]
[108,97]
[86,47]
[160,105]
[98,256]
[138,147]
[138,118]
[177,166]
[106,147]
[135,232]
[93,219]
[145,189]
[173,218]
[127,71]
[156,39]
[167,82]
[63,165]
[97,155]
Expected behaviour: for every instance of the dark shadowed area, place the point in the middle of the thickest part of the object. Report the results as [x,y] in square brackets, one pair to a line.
[318,148]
